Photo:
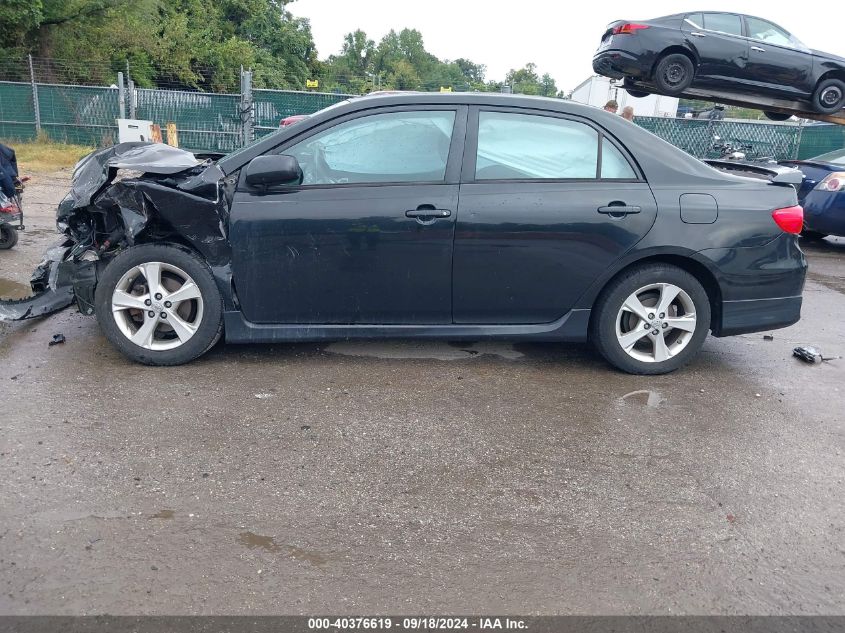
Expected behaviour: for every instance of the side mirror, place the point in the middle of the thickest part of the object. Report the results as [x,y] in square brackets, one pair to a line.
[274,169]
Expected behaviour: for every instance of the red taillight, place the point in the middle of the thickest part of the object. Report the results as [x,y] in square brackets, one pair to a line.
[628,29]
[7,209]
[789,219]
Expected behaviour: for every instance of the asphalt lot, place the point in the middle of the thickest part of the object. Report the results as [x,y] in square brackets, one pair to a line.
[402,477]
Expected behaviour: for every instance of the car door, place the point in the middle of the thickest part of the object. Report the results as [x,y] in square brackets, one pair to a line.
[778,64]
[717,39]
[367,236]
[547,203]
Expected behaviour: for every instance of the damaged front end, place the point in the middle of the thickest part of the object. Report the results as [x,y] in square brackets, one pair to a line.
[173,197]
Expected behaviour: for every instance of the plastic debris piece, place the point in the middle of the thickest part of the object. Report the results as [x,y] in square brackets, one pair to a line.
[768,337]
[807,354]
[57,339]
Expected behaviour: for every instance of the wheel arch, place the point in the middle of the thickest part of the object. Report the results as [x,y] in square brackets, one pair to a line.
[675,48]
[833,73]
[687,261]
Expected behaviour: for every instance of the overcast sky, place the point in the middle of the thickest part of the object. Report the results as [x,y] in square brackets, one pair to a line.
[559,36]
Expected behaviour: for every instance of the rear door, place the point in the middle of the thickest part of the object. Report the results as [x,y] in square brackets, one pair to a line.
[547,203]
[367,237]
[722,49]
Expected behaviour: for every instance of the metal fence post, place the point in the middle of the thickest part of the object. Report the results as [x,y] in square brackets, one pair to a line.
[121,95]
[797,151]
[246,113]
[35,106]
[133,98]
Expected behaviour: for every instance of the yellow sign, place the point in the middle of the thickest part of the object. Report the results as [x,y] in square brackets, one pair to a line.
[312,83]
[445,88]
[172,135]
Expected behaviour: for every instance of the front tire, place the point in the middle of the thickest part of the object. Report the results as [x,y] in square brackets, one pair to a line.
[651,319]
[8,236]
[159,305]
[674,74]
[829,96]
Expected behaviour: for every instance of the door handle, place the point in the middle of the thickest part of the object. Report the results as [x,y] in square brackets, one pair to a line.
[427,211]
[758,49]
[618,210]
[697,34]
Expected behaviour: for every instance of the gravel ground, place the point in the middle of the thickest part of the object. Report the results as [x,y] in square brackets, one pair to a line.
[406,477]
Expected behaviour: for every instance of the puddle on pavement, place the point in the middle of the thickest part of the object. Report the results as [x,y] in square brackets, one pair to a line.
[13,290]
[643,398]
[435,350]
[268,544]
[163,514]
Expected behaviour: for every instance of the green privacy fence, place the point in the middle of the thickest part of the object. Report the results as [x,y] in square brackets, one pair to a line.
[699,136]
[87,115]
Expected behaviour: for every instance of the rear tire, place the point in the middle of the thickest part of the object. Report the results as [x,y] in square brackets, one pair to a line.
[829,96]
[651,319]
[8,236]
[777,116]
[159,305]
[637,93]
[673,74]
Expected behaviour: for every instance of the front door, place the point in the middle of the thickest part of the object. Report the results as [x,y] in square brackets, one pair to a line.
[548,204]
[778,64]
[367,237]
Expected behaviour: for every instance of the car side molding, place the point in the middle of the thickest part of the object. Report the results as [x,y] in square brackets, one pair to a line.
[571,327]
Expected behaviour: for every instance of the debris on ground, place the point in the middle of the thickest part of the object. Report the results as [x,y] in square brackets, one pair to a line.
[808,354]
[56,340]
[768,337]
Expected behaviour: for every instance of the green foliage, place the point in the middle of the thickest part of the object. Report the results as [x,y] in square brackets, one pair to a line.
[203,44]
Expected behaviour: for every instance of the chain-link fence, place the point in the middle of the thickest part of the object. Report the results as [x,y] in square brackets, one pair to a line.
[700,137]
[208,121]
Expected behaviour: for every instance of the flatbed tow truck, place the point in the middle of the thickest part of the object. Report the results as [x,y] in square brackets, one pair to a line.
[781,106]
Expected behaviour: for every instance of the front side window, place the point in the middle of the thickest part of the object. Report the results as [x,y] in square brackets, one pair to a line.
[767,32]
[527,146]
[723,23]
[378,148]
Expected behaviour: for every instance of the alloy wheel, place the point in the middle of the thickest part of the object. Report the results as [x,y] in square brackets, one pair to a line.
[656,322]
[157,306]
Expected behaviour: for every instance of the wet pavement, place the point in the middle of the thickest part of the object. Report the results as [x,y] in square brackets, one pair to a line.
[407,477]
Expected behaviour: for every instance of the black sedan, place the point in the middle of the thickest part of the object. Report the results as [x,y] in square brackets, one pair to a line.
[455,216]
[750,57]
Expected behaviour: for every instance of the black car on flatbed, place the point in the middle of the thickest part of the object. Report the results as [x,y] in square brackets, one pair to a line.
[727,53]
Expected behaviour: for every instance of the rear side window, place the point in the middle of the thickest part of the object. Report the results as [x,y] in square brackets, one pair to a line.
[613,164]
[695,20]
[723,23]
[389,147]
[527,146]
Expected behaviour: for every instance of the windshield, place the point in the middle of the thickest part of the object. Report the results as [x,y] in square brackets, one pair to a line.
[837,157]
[258,139]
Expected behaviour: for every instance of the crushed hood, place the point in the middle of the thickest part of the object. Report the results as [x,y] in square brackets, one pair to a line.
[98,168]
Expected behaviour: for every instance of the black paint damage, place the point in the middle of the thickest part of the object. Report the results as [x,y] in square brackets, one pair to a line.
[177,199]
